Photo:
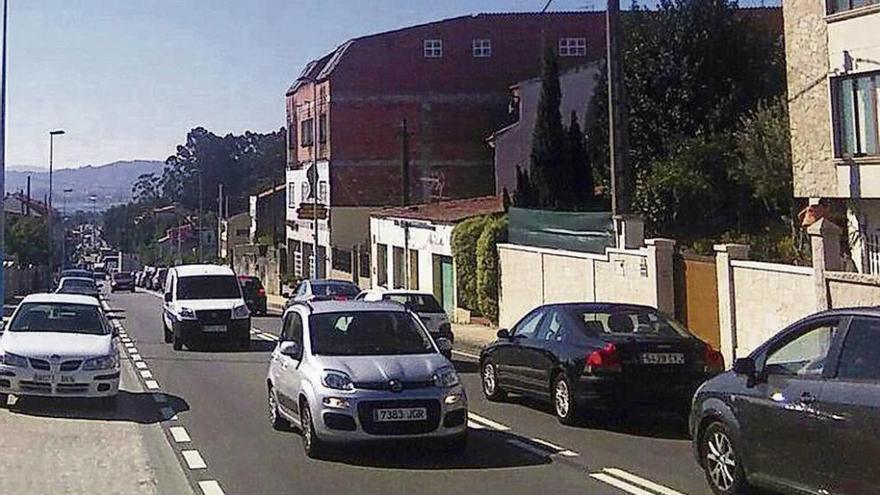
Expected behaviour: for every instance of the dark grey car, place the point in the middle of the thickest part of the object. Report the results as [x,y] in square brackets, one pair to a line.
[801,414]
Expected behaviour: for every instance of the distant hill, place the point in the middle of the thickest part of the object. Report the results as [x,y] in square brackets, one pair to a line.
[111,183]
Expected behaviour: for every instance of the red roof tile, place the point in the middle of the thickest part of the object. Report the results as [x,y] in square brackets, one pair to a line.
[445,211]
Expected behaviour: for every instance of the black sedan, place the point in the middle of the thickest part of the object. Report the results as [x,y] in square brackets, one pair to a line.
[254,294]
[598,357]
[121,281]
[800,414]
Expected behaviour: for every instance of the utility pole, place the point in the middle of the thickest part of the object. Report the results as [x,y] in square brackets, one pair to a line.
[3,154]
[618,121]
[317,176]
[404,163]
[220,220]
[200,213]
[49,212]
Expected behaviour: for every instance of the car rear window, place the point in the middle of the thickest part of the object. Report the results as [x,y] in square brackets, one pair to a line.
[628,321]
[420,303]
[60,318]
[367,333]
[335,289]
[73,283]
[208,287]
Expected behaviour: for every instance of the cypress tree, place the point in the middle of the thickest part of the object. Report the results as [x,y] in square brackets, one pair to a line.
[548,139]
[579,173]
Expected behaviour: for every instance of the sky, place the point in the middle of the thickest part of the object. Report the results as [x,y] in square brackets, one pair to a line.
[127,79]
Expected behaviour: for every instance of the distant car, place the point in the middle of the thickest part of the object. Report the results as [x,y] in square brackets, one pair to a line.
[324,290]
[424,304]
[78,285]
[800,414]
[597,357]
[254,294]
[158,279]
[204,303]
[59,345]
[121,281]
[348,372]
[77,272]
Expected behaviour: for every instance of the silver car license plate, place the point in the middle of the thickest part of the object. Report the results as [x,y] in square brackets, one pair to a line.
[43,377]
[400,414]
[662,358]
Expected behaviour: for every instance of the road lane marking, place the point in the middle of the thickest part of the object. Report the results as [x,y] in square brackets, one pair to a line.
[475,426]
[529,447]
[180,435]
[210,487]
[193,459]
[559,450]
[140,365]
[466,354]
[135,357]
[487,422]
[637,480]
[152,384]
[132,350]
[620,484]
[146,373]
[269,338]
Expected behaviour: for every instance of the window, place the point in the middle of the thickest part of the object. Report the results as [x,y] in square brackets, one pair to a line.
[291,194]
[855,107]
[381,265]
[433,48]
[367,333]
[322,190]
[307,132]
[552,329]
[413,269]
[860,357]
[364,263]
[342,260]
[399,267]
[322,128]
[805,354]
[844,5]
[572,47]
[293,328]
[208,287]
[528,326]
[482,48]
[305,191]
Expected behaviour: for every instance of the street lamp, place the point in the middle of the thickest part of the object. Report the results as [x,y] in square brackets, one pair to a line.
[52,135]
[3,152]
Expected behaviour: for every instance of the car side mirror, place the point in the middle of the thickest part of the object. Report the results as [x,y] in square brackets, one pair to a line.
[745,366]
[167,297]
[503,333]
[444,344]
[291,349]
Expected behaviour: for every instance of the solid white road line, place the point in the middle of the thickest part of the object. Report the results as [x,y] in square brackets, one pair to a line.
[193,459]
[152,384]
[146,373]
[475,426]
[559,450]
[529,447]
[487,422]
[179,433]
[269,338]
[637,480]
[466,354]
[210,487]
[140,365]
[620,484]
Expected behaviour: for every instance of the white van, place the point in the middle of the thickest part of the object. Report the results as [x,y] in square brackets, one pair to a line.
[204,303]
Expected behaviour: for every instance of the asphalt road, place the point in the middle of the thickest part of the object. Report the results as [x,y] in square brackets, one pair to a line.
[218,416]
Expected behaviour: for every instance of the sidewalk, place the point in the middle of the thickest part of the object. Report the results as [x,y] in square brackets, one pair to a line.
[275,303]
[470,338]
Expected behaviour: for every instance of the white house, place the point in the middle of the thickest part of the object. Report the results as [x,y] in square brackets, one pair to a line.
[411,246]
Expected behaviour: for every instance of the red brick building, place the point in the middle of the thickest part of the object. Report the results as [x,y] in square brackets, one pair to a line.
[449,80]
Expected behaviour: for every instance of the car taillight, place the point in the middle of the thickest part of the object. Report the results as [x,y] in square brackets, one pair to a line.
[605,359]
[713,361]
[261,291]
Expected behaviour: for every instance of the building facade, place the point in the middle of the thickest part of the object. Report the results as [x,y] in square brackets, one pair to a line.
[833,69]
[427,96]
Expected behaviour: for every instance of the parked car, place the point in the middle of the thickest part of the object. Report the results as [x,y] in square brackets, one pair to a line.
[424,304]
[254,293]
[598,357]
[350,371]
[121,281]
[78,285]
[59,345]
[800,414]
[76,272]
[202,303]
[157,281]
[324,290]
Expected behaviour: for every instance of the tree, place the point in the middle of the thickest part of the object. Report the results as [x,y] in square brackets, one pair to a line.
[577,170]
[488,276]
[464,250]
[525,195]
[548,139]
[26,239]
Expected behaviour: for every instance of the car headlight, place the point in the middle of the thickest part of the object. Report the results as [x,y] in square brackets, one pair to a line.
[187,314]
[446,377]
[337,380]
[13,360]
[240,312]
[101,363]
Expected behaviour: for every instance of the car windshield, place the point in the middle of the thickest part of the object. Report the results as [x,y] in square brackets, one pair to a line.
[629,320]
[420,303]
[208,287]
[335,289]
[60,318]
[367,333]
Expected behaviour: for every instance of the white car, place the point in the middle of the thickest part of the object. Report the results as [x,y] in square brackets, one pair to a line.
[205,303]
[424,304]
[59,345]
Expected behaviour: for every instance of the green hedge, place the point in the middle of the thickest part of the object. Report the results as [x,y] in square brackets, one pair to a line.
[464,250]
[488,272]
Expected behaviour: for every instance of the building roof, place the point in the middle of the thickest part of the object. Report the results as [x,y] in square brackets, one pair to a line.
[195,270]
[445,211]
[60,298]
[272,190]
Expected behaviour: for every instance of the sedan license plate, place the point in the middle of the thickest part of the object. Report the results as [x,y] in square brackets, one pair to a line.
[43,377]
[66,379]
[662,358]
[215,328]
[400,414]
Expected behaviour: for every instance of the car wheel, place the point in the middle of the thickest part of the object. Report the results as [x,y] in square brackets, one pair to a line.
[564,404]
[312,445]
[491,389]
[176,342]
[721,462]
[275,418]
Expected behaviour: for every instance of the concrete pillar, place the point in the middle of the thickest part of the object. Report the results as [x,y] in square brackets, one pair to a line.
[825,243]
[724,254]
[660,253]
[629,231]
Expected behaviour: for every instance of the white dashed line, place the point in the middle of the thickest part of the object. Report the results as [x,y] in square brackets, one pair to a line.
[179,433]
[559,450]
[140,365]
[466,354]
[620,484]
[638,480]
[152,384]
[475,426]
[269,338]
[487,422]
[193,459]
[135,357]
[210,487]
[147,373]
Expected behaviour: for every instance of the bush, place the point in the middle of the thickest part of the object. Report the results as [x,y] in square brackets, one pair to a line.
[464,250]
[488,275]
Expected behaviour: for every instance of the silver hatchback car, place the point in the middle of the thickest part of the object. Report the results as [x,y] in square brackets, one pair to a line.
[346,372]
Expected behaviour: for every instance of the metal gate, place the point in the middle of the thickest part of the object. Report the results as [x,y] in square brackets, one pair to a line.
[696,296]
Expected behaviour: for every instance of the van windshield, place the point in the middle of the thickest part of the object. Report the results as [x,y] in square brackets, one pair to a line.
[208,287]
